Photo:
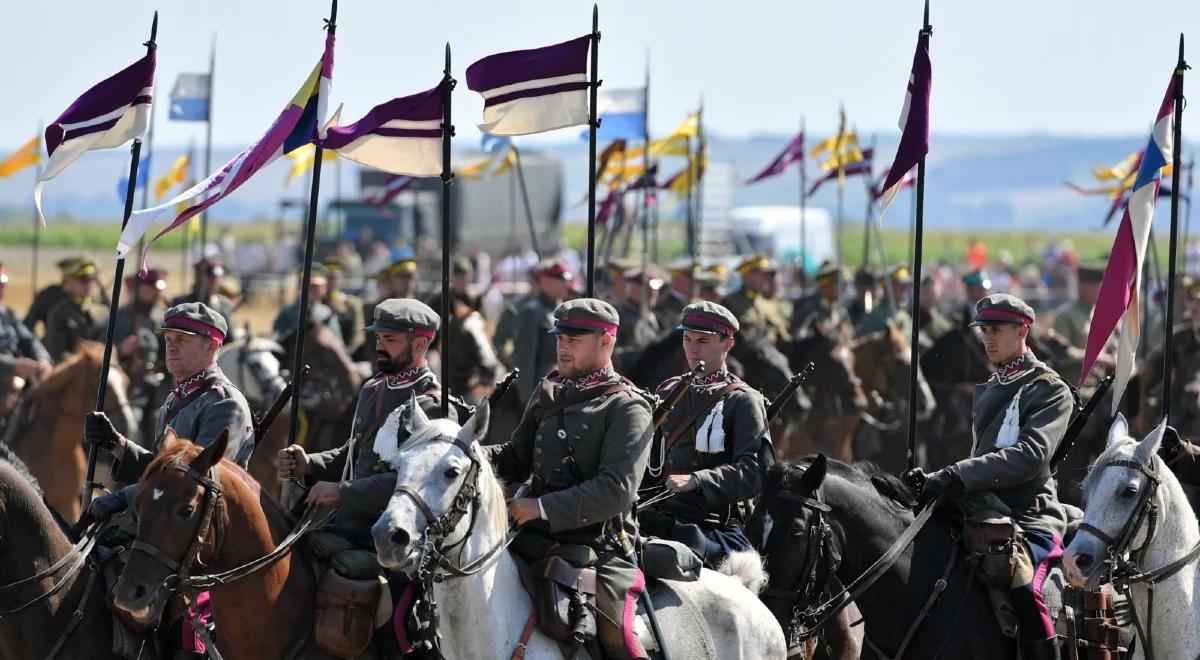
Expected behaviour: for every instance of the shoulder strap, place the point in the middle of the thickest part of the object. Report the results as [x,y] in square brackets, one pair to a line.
[205,387]
[700,410]
[596,392]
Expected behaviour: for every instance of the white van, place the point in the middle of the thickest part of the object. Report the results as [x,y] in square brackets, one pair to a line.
[775,230]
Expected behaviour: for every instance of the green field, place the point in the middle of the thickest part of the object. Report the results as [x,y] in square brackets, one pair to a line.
[942,244]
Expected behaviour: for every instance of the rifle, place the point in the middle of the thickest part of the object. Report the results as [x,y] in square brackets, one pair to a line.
[263,424]
[1082,414]
[667,403]
[503,386]
[788,390]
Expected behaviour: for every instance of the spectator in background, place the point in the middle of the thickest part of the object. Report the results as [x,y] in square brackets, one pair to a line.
[365,243]
[977,254]
[378,258]
[353,271]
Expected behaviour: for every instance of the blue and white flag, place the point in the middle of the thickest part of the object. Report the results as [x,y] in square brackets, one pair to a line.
[622,114]
[143,174]
[189,97]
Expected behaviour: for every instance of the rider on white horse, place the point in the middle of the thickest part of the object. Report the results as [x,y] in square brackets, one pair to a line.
[1018,417]
[584,439]
[714,446]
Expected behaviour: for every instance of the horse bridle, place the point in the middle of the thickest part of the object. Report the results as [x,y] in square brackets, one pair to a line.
[209,521]
[819,548]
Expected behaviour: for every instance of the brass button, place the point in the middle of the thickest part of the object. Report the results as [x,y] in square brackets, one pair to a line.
[562,434]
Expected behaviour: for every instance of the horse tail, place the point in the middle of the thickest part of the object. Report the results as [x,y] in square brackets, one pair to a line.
[747,567]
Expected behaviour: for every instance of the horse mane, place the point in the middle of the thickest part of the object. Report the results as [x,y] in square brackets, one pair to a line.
[786,476]
[89,354]
[178,454]
[7,455]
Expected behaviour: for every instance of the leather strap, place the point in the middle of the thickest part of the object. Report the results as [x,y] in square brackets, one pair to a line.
[700,410]
[587,395]
[179,404]
[526,633]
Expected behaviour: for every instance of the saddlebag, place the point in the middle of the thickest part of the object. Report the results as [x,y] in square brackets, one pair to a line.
[345,614]
[990,542]
[566,600]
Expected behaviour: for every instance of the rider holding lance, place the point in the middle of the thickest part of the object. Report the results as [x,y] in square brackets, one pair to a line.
[714,446]
[584,439]
[1019,415]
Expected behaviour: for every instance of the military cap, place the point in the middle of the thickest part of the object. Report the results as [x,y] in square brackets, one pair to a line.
[67,262]
[405,315]
[976,278]
[717,268]
[1091,273]
[705,316]
[584,315]
[195,318]
[900,275]
[707,280]
[229,288]
[864,277]
[683,266]
[402,266]
[462,266]
[157,277]
[618,265]
[555,268]
[755,262]
[3,274]
[1002,308]
[82,268]
[211,266]
[333,263]
[319,272]
[828,273]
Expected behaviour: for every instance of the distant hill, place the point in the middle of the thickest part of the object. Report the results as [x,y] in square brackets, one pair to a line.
[973,182]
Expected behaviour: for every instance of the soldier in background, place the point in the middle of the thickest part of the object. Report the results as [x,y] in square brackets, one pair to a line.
[77,317]
[209,273]
[533,347]
[753,304]
[347,307]
[49,296]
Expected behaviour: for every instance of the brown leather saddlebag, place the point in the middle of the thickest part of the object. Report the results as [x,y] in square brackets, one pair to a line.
[990,542]
[566,600]
[345,614]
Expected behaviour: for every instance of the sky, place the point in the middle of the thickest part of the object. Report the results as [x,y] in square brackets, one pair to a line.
[1071,68]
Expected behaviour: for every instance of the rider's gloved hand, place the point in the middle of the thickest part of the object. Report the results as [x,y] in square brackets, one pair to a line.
[946,480]
[104,507]
[914,478]
[1172,445]
[98,430]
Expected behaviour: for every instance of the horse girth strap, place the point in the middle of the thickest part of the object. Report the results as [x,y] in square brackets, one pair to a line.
[699,410]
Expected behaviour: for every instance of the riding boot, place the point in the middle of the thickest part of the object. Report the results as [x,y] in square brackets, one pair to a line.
[1040,649]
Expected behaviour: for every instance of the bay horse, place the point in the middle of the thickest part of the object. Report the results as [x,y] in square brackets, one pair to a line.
[1137,521]
[330,390]
[444,482]
[34,543]
[50,440]
[195,508]
[824,522]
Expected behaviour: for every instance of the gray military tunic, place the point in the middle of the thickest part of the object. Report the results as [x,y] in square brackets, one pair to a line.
[1014,440]
[365,496]
[16,341]
[533,348]
[198,409]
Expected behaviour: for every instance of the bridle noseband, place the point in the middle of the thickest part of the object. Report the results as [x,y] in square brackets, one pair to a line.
[209,520]
[1145,512]
[820,551]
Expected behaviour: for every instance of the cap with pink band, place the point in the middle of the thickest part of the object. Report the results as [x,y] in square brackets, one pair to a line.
[994,314]
[582,323]
[709,324]
[191,325]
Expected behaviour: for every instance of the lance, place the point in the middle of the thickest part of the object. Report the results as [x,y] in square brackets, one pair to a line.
[803,212]
[37,223]
[593,124]
[1177,165]
[135,157]
[697,175]
[309,238]
[841,220]
[914,348]
[1187,211]
[533,238]
[869,180]
[448,83]
[691,215]
[212,69]
[647,168]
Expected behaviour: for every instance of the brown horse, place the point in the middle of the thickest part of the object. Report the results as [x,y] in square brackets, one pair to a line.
[330,390]
[50,440]
[32,543]
[268,613]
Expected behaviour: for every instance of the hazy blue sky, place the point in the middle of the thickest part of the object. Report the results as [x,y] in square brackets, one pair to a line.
[1000,67]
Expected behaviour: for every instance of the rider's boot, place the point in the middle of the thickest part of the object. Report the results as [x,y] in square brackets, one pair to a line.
[1040,649]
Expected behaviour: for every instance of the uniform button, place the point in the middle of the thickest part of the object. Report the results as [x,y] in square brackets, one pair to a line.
[537,451]
[585,427]
[538,437]
[583,519]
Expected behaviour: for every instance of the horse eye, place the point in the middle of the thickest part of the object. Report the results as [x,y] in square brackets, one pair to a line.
[796,533]
[186,511]
[1129,492]
[453,472]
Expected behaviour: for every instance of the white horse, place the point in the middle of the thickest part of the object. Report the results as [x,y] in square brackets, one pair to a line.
[1120,491]
[483,615]
[252,364]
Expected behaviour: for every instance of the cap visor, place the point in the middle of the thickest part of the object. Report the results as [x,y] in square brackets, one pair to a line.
[568,330]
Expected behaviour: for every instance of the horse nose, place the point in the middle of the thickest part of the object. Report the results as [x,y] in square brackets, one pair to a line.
[399,538]
[1084,561]
[139,591]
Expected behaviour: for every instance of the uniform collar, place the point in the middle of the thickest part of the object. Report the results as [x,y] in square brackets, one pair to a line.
[712,380]
[1016,368]
[601,376]
[189,385]
[404,378]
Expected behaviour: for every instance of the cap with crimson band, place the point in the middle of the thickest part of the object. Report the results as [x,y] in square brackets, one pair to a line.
[1002,308]
[195,319]
[709,317]
[405,315]
[585,315]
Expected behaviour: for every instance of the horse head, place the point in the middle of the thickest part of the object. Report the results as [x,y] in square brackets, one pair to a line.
[253,366]
[1122,495]
[883,363]
[443,483]
[179,510]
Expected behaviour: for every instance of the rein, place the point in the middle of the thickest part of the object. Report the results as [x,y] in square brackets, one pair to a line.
[78,552]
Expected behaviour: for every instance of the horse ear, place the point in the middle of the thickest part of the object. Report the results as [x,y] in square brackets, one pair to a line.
[1148,447]
[1118,431]
[170,437]
[476,428]
[417,419]
[212,454]
[814,476]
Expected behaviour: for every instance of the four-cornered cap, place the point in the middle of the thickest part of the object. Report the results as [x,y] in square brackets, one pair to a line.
[405,315]
[1002,308]
[718,269]
[829,273]
[405,266]
[156,277]
[900,275]
[82,268]
[1091,273]
[755,262]
[332,263]
[555,268]
[68,262]
[195,319]
[211,267]
[584,315]
[708,281]
[709,317]
[683,266]
[618,265]
[977,278]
